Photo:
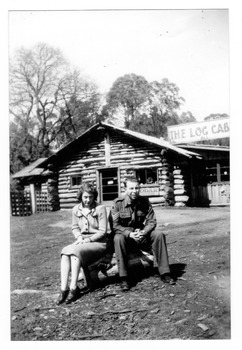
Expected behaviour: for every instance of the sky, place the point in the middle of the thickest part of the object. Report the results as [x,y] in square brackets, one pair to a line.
[188,47]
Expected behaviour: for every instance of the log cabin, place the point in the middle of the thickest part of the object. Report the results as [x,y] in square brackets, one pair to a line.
[106,155]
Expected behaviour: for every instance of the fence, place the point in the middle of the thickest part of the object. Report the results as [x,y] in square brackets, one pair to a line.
[21,204]
[41,201]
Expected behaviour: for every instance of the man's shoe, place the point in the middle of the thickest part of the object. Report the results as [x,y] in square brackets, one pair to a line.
[124,285]
[85,290]
[73,295]
[62,296]
[167,278]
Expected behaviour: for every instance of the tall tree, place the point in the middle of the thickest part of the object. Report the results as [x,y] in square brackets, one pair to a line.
[45,98]
[34,91]
[126,96]
[160,109]
[187,117]
[80,107]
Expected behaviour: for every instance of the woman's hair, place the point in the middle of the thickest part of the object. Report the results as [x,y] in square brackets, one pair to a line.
[89,188]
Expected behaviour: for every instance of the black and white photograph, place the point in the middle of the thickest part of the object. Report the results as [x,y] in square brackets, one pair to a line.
[119,174]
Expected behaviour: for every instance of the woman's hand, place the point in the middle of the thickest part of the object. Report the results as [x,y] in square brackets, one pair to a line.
[87,240]
[79,240]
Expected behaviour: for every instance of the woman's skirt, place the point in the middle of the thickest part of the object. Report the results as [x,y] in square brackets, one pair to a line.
[88,253]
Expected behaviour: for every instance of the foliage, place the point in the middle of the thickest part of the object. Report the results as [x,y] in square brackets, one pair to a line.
[216,116]
[80,110]
[127,93]
[186,117]
[145,107]
[23,147]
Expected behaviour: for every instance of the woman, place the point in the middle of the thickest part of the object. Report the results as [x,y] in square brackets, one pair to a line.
[89,226]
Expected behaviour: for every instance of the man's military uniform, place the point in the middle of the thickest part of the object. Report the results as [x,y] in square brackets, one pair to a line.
[126,217]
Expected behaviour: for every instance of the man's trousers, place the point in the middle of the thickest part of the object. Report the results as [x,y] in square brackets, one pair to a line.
[155,240]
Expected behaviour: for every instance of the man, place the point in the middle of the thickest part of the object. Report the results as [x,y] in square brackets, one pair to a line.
[133,224]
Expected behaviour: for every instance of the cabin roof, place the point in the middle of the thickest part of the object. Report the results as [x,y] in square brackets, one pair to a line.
[142,137]
[154,140]
[205,147]
[30,170]
[34,169]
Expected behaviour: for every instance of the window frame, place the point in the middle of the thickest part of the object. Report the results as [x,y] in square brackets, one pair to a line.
[72,177]
[217,175]
[145,170]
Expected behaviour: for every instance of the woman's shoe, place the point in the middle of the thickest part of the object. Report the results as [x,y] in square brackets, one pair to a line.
[73,295]
[62,296]
[124,285]
[167,278]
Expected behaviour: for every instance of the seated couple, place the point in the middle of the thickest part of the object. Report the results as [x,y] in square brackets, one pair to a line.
[133,223]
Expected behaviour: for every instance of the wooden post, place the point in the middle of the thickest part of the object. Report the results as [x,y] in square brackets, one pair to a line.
[107,149]
[33,198]
[191,162]
[218,172]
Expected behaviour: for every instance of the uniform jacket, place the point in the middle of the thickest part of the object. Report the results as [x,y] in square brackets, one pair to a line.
[127,216]
[93,224]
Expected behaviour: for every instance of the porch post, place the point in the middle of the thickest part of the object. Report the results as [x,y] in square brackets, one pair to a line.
[33,198]
[107,150]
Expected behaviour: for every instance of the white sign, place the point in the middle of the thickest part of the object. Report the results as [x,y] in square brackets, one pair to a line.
[149,191]
[208,130]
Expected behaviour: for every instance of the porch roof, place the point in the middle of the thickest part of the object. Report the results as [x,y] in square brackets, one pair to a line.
[30,170]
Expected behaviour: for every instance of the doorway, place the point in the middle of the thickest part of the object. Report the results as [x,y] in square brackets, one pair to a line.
[108,184]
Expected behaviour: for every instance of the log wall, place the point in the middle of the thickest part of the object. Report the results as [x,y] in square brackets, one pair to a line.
[126,153]
[82,161]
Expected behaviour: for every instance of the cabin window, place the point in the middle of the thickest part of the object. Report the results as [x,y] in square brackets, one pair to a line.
[217,171]
[76,181]
[147,176]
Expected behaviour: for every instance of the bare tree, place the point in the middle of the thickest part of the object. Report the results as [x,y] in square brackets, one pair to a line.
[45,99]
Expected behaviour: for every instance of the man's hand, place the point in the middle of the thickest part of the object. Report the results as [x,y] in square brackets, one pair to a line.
[141,232]
[134,235]
[137,235]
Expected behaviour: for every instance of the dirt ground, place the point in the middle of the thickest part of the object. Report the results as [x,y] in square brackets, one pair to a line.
[197,307]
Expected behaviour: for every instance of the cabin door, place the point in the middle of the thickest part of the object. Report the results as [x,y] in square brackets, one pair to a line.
[108,185]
